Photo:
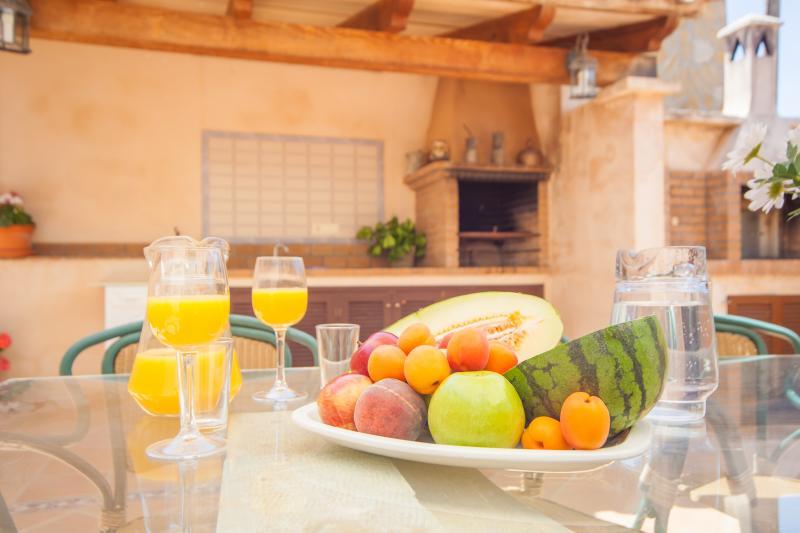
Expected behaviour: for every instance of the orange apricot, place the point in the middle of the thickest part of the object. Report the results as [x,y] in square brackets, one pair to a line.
[544,433]
[386,361]
[585,421]
[425,368]
[468,350]
[415,335]
[501,357]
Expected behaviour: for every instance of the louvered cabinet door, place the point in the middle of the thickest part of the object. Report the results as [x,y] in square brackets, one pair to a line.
[372,308]
[781,310]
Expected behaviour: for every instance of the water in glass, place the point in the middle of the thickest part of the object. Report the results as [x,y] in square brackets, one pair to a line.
[671,283]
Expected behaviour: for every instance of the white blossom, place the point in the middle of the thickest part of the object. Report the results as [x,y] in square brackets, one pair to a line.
[766,195]
[748,144]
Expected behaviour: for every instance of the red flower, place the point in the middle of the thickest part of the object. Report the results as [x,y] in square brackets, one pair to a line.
[5,365]
[5,341]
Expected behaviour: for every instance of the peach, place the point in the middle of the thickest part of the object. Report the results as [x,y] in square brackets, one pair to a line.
[415,335]
[468,350]
[544,433]
[386,362]
[501,357]
[390,408]
[425,368]
[585,421]
[360,359]
[337,400]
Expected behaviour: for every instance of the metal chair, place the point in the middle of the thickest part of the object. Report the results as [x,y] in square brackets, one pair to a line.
[749,331]
[243,328]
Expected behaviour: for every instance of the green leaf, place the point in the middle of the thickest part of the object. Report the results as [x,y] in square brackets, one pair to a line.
[791,151]
[375,250]
[781,171]
[793,214]
[364,233]
[388,241]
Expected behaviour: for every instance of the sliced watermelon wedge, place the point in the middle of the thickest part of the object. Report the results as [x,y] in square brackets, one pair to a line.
[529,324]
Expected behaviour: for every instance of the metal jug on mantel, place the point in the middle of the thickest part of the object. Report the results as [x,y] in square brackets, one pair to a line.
[154,382]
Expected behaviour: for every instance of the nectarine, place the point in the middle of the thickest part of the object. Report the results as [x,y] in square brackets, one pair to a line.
[468,350]
[337,400]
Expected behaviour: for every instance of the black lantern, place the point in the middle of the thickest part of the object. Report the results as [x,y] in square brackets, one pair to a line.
[15,23]
[582,70]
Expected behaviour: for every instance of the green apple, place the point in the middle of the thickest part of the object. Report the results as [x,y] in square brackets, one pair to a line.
[476,409]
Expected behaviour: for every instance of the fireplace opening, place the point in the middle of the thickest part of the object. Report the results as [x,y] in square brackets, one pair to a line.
[498,223]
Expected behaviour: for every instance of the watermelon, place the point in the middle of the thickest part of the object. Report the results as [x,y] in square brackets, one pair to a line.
[530,325]
[624,365]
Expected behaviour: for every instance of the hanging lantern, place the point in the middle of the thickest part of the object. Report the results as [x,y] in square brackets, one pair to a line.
[15,23]
[582,70]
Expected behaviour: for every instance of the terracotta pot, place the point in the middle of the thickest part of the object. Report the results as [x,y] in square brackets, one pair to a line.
[407,261]
[16,240]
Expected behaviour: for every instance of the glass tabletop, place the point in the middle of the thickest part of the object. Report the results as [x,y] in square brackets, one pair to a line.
[72,459]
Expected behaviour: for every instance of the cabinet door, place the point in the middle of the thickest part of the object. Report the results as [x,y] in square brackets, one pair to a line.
[371,308]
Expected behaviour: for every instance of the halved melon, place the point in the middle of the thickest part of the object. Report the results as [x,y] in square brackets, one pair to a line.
[527,323]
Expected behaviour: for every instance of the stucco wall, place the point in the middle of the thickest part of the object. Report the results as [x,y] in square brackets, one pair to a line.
[105,143]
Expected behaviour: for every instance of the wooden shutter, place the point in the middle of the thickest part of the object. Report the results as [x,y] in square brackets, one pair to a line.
[368,308]
[783,310]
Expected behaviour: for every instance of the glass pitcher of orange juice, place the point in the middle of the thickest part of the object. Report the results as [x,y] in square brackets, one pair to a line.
[154,379]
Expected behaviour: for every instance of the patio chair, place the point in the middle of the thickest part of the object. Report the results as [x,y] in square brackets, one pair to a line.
[251,339]
[741,335]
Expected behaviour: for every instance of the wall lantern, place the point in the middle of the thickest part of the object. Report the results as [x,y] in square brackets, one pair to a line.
[15,24]
[582,70]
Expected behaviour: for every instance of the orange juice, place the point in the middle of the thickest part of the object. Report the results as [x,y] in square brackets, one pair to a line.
[154,380]
[188,320]
[280,307]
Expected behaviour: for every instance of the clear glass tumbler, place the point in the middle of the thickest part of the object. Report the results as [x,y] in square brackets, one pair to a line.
[672,284]
[336,344]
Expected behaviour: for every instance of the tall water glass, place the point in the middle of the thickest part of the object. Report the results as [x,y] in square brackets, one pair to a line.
[336,344]
[672,284]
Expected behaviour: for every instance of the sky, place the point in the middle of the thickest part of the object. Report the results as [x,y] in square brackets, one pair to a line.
[788,49]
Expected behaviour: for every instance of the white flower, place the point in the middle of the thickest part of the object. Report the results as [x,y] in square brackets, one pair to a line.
[748,144]
[794,136]
[5,198]
[16,199]
[766,195]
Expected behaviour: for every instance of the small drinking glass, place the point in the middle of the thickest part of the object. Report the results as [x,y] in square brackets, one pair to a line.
[671,283]
[213,390]
[336,343]
[188,308]
[280,299]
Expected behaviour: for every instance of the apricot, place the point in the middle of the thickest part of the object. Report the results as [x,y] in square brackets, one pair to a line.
[415,335]
[544,433]
[360,359]
[501,357]
[390,408]
[468,350]
[386,361]
[337,400]
[585,421]
[425,368]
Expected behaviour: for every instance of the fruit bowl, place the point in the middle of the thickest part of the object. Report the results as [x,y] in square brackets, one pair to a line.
[549,461]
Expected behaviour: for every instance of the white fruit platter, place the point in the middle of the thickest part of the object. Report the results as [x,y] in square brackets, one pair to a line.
[549,461]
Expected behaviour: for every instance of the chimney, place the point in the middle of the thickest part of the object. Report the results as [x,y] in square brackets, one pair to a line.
[751,66]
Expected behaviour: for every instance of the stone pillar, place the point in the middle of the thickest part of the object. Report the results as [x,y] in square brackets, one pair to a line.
[607,194]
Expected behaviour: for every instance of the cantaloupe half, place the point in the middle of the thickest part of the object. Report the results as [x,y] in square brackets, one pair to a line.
[529,324]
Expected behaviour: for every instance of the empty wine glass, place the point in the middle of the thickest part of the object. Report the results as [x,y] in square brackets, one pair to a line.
[280,299]
[188,307]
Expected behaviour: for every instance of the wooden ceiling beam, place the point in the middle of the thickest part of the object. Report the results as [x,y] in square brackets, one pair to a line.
[650,7]
[136,26]
[635,38]
[383,15]
[523,27]
[240,9]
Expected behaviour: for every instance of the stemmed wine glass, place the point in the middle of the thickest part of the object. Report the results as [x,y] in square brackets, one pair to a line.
[188,307]
[280,299]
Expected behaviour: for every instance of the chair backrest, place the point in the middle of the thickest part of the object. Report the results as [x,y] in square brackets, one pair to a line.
[752,329]
[254,343]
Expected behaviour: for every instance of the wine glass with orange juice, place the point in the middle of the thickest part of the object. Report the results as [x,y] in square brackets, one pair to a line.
[280,299]
[188,308]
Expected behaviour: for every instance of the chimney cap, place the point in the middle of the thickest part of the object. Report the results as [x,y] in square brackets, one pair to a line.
[746,21]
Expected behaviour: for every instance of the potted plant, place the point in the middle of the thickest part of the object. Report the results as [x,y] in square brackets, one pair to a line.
[16,227]
[399,242]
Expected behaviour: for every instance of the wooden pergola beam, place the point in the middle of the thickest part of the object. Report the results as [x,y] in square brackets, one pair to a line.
[240,9]
[650,7]
[383,15]
[136,26]
[524,27]
[636,38]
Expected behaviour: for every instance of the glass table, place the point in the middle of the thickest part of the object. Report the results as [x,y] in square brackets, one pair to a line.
[72,459]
